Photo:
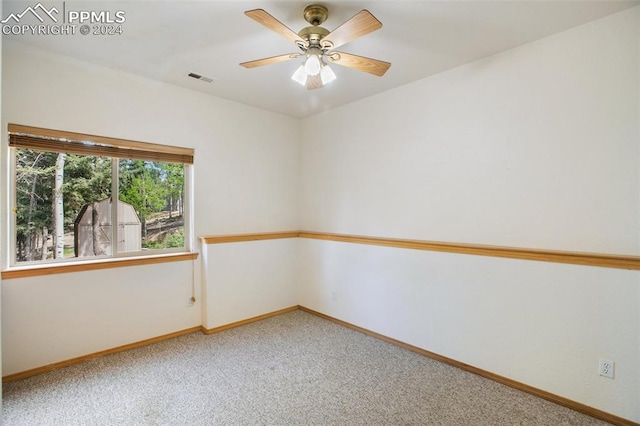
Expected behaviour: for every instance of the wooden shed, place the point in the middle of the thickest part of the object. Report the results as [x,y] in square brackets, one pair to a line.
[92,229]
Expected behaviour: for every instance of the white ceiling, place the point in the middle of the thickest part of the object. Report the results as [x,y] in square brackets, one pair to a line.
[166,40]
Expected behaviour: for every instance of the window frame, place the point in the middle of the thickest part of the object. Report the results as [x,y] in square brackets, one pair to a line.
[104,146]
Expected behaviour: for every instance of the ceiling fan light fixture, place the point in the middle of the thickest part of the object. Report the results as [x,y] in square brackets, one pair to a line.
[300,76]
[327,75]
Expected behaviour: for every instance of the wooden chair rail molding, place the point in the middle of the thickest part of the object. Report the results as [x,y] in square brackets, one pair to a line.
[556,256]
[235,238]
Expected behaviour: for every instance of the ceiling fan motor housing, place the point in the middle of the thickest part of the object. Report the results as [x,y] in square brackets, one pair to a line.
[313,35]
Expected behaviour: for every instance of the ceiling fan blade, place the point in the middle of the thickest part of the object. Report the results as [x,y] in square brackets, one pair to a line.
[314,82]
[361,63]
[360,24]
[271,60]
[262,17]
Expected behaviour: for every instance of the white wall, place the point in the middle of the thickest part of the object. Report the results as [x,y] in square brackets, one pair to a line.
[534,147]
[2,154]
[245,181]
[59,317]
[248,279]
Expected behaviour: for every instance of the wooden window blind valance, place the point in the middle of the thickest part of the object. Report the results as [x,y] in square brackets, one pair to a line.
[78,143]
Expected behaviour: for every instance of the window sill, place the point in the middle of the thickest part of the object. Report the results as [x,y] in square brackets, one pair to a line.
[37,270]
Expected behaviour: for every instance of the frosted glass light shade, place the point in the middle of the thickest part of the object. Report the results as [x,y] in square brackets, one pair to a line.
[312,66]
[327,75]
[300,76]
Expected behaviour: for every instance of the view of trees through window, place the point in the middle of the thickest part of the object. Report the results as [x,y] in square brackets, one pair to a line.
[64,205]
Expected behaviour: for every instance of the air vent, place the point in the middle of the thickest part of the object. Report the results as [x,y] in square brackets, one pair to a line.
[199,77]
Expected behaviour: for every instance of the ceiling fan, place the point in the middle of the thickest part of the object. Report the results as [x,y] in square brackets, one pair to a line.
[317,44]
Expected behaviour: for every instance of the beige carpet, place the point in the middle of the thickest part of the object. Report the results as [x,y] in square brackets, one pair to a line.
[294,369]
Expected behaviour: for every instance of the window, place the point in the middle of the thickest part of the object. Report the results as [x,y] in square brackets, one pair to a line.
[64,188]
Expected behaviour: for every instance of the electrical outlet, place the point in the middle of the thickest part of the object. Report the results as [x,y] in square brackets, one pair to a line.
[191,302]
[334,295]
[606,368]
